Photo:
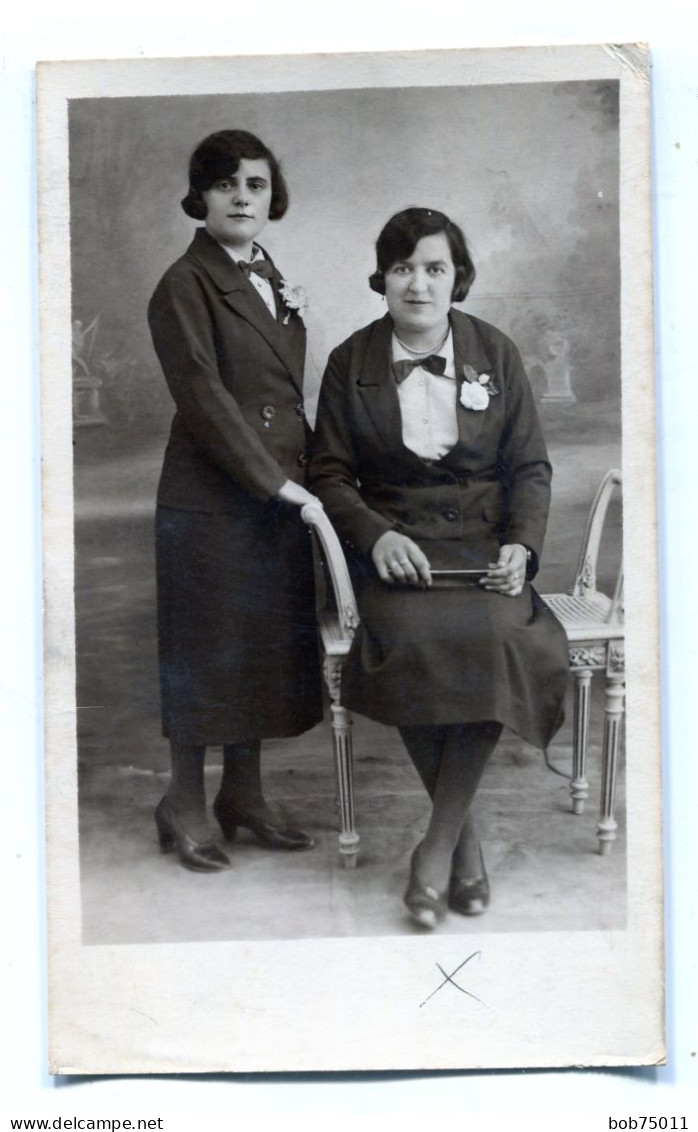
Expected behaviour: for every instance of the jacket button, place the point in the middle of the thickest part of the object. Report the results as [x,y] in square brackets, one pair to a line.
[268,412]
[300,410]
[302,459]
[451,515]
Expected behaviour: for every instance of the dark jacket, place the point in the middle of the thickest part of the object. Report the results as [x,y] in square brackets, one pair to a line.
[236,604]
[495,480]
[236,377]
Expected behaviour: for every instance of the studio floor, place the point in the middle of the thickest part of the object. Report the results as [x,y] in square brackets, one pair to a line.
[544,868]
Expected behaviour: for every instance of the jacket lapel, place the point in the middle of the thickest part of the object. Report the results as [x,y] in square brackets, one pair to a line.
[377,387]
[467,350]
[290,327]
[287,342]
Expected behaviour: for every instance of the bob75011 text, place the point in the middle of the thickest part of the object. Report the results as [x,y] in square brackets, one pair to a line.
[648,1122]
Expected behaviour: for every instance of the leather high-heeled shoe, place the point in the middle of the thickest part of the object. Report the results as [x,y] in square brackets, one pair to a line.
[229,817]
[200,856]
[425,904]
[469,896]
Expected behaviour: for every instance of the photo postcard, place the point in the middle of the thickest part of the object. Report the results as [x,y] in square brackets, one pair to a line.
[350,562]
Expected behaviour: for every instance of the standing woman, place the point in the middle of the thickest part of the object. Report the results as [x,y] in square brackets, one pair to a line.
[236,608]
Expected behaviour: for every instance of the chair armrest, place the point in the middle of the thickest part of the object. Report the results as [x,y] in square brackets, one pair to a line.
[333,556]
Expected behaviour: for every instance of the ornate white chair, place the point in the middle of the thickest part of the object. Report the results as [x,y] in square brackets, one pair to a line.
[337,621]
[594,625]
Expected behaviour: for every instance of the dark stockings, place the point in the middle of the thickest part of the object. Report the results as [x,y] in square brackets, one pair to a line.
[241,783]
[186,793]
[242,776]
[450,760]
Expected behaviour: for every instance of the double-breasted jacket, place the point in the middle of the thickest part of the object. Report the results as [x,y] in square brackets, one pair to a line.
[236,376]
[494,483]
[236,613]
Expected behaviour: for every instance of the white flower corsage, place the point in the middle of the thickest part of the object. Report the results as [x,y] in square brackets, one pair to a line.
[294,298]
[477,389]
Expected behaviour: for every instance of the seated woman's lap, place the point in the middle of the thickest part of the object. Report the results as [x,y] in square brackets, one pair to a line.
[455,656]
[411,617]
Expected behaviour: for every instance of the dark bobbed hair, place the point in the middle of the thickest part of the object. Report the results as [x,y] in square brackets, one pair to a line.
[400,237]
[218,156]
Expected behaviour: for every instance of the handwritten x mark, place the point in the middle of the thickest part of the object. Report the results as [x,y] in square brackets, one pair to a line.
[450,979]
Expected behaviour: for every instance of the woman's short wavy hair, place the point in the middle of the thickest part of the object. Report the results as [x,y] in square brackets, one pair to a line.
[218,156]
[400,237]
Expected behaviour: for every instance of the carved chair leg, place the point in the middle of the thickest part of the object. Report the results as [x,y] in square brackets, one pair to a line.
[615,698]
[343,760]
[344,763]
[579,786]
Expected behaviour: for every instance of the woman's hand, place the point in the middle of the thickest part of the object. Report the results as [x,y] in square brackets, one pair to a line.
[292,492]
[507,576]
[398,559]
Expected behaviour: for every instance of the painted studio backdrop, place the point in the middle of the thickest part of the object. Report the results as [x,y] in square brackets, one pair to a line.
[530,172]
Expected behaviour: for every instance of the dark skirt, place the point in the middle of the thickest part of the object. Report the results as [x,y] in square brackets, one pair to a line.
[458,655]
[237,627]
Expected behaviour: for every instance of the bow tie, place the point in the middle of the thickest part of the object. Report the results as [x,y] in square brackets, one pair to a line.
[433,363]
[258,266]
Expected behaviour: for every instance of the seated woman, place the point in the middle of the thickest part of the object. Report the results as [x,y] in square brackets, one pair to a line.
[429,458]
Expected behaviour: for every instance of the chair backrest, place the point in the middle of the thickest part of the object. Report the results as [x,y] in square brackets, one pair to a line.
[585,579]
[345,602]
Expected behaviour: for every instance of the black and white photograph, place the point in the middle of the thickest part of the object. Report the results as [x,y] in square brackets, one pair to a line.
[348,409]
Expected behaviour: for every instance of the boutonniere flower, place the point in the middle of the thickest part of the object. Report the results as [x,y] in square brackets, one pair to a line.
[294,298]
[477,389]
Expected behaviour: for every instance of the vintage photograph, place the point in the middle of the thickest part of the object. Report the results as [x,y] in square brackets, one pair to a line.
[347,435]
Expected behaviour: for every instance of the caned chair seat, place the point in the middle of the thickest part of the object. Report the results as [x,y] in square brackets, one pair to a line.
[581,613]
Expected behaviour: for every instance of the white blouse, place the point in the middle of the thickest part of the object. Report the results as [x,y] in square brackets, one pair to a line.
[428,405]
